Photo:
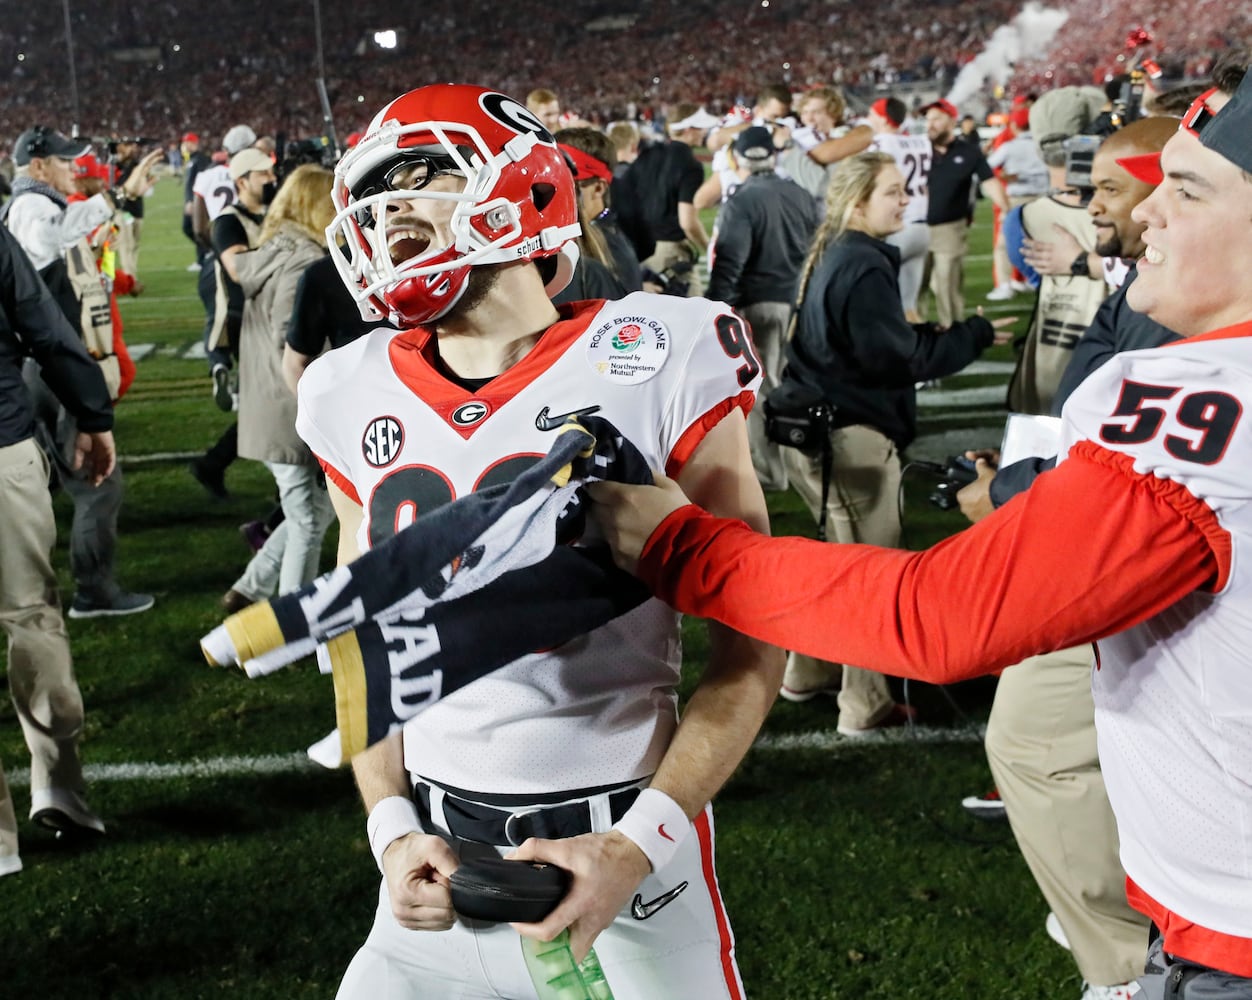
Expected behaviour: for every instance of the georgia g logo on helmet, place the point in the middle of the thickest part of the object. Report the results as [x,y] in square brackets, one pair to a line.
[512,115]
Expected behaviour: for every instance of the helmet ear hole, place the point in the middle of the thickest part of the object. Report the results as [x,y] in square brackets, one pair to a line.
[542,195]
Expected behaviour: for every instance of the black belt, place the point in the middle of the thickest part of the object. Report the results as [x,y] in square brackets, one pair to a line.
[486,825]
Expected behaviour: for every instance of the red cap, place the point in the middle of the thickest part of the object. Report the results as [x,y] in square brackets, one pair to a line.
[86,165]
[1145,167]
[879,107]
[947,107]
[191,137]
[1020,117]
[1020,99]
[586,166]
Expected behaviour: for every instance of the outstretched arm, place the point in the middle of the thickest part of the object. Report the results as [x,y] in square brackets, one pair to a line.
[978,601]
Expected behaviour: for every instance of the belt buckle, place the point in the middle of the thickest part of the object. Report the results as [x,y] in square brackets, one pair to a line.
[508,828]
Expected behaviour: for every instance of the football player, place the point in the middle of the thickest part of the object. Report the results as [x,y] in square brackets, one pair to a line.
[1140,538]
[456,211]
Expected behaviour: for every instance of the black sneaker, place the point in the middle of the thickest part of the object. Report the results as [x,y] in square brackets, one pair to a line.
[222,395]
[122,603]
[209,476]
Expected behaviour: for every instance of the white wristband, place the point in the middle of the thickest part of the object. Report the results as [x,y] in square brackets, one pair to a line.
[390,819]
[657,825]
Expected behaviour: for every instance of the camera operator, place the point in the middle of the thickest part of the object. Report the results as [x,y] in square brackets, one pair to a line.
[1066,302]
[125,160]
[853,346]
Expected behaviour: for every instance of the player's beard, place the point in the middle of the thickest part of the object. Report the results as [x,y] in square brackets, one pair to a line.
[482,281]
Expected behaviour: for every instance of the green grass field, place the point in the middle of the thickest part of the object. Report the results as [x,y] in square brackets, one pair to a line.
[849,871]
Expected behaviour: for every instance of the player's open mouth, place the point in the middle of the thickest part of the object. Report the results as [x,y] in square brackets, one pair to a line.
[1153,256]
[405,244]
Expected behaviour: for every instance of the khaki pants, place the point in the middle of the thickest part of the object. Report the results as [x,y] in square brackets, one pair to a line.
[1041,744]
[865,478]
[41,677]
[1001,264]
[949,243]
[769,331]
[667,252]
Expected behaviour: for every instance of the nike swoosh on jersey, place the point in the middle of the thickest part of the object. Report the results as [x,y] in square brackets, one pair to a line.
[546,423]
[642,911]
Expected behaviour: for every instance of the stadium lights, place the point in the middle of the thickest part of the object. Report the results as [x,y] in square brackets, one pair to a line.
[388,39]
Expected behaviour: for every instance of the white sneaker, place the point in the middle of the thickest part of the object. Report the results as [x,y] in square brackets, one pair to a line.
[1020,286]
[64,811]
[1001,293]
[1118,991]
[1055,931]
[193,267]
[10,864]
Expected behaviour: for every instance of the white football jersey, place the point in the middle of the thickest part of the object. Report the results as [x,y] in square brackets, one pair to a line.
[397,435]
[1174,695]
[215,186]
[913,155]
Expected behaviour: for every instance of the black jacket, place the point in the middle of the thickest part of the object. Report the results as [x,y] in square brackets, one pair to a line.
[1116,328]
[763,236]
[32,324]
[853,344]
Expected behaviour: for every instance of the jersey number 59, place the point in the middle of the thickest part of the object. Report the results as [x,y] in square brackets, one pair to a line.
[1205,421]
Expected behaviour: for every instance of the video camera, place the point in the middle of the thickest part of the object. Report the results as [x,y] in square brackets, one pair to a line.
[143,143]
[1129,104]
[955,474]
[672,280]
[319,150]
[1080,151]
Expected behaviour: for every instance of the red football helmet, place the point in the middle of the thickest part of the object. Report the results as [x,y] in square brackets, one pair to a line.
[518,201]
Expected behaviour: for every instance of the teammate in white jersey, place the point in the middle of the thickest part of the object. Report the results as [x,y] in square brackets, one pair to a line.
[457,211]
[912,154]
[1147,522]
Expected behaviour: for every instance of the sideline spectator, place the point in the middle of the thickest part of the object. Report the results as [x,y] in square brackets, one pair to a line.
[195,160]
[957,164]
[41,675]
[1025,177]
[545,106]
[595,158]
[912,154]
[292,236]
[853,346]
[236,230]
[45,223]
[763,235]
[663,182]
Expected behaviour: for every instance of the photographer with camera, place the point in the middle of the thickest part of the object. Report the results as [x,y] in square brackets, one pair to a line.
[1066,302]
[853,349]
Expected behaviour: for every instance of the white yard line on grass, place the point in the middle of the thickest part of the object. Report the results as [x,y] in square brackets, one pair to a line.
[293,763]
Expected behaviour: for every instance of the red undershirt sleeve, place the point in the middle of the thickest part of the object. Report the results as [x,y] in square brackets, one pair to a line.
[1090,550]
